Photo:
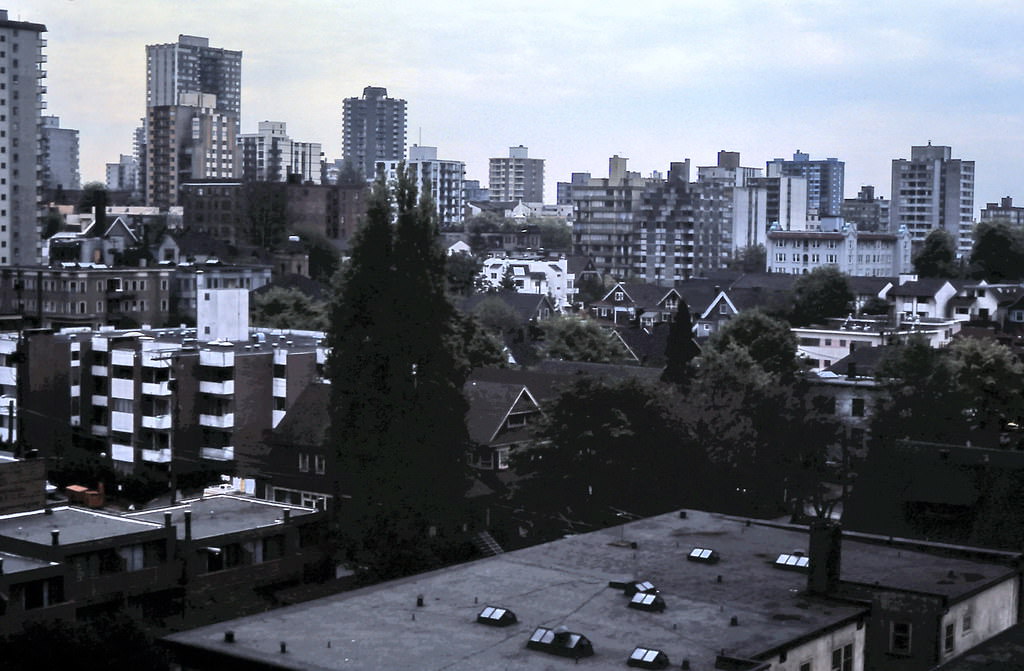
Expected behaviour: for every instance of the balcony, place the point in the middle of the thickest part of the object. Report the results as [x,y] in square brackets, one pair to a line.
[157,456]
[156,421]
[222,388]
[226,453]
[156,388]
[99,400]
[280,387]
[218,359]
[277,416]
[225,421]
[99,430]
[125,453]
[122,421]
[124,389]
[122,357]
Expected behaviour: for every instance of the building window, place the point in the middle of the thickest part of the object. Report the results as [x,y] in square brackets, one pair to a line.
[619,296]
[857,407]
[842,658]
[966,623]
[900,638]
[303,462]
[320,463]
[949,638]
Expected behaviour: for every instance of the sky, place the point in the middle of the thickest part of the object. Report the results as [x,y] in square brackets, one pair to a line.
[577,81]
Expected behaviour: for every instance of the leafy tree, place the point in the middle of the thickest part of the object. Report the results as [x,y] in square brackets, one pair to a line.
[52,223]
[554,232]
[749,259]
[990,378]
[580,339]
[398,414]
[324,257]
[998,252]
[681,349]
[462,271]
[265,213]
[282,308]
[819,294]
[607,445]
[474,345]
[937,256]
[589,288]
[508,281]
[497,316]
[875,306]
[769,342]
[92,192]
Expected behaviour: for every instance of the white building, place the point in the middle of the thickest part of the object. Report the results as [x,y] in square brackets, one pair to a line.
[269,155]
[444,177]
[852,252]
[822,346]
[548,278]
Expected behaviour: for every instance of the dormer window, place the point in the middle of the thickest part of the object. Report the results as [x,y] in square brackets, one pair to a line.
[619,296]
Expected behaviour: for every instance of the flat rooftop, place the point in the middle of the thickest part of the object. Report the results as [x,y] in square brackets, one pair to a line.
[18,563]
[566,583]
[222,514]
[76,525]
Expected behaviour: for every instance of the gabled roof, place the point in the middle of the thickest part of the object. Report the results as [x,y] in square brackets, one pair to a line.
[490,404]
[527,305]
[579,263]
[865,360]
[113,225]
[765,281]
[868,286]
[926,286]
[192,243]
[641,295]
[646,343]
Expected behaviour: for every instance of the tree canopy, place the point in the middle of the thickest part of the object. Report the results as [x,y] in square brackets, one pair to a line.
[820,294]
[579,339]
[681,349]
[287,308]
[397,409]
[937,256]
[769,341]
[998,252]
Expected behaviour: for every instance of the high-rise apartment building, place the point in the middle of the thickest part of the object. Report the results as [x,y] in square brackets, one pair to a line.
[191,65]
[124,175]
[517,177]
[60,156]
[193,112]
[933,190]
[868,211]
[188,141]
[21,105]
[443,177]
[269,155]
[373,129]
[1004,210]
[824,181]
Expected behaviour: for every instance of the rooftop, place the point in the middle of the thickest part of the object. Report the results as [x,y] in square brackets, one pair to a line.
[221,515]
[13,563]
[566,583]
[76,525]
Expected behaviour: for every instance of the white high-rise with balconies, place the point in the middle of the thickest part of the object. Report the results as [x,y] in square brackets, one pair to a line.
[21,112]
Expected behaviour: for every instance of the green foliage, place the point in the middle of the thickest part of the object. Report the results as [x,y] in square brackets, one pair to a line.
[52,223]
[282,308]
[398,414]
[324,257]
[474,345]
[750,259]
[875,306]
[820,294]
[607,445]
[967,392]
[554,233]
[998,252]
[91,193]
[108,642]
[462,271]
[590,287]
[579,339]
[497,316]
[681,349]
[937,256]
[769,342]
[508,280]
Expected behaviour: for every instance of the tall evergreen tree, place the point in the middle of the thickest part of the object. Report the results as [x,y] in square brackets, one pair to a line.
[398,414]
[680,349]
[937,256]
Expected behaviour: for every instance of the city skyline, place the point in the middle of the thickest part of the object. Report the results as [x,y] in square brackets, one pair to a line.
[575,83]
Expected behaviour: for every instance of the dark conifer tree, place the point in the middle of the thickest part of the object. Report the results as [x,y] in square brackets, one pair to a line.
[680,349]
[398,414]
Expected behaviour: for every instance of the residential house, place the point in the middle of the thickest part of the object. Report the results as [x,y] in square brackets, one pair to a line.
[502,416]
[927,297]
[647,303]
[822,346]
[548,277]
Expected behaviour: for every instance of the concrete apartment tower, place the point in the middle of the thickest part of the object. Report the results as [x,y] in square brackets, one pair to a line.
[60,156]
[373,129]
[933,190]
[444,177]
[824,181]
[21,160]
[517,177]
[269,155]
[189,81]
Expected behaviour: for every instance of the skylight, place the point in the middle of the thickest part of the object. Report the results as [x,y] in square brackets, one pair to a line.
[644,586]
[496,617]
[647,658]
[647,601]
[560,642]
[706,555]
[793,561]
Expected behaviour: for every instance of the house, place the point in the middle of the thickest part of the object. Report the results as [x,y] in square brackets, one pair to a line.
[458,247]
[822,346]
[547,277]
[531,308]
[727,593]
[927,297]
[502,416]
[849,390]
[647,303]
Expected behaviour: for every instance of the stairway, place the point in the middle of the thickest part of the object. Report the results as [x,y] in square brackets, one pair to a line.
[485,543]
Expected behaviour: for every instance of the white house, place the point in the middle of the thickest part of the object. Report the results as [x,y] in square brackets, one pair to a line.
[546,277]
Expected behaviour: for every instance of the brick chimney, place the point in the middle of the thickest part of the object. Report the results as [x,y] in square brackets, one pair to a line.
[826,555]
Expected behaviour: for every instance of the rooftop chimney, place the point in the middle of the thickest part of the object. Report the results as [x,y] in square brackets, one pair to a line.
[188,525]
[167,519]
[826,552]
[55,537]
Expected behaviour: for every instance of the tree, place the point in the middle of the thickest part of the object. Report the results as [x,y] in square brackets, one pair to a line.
[769,342]
[287,308]
[580,339]
[749,259]
[92,194]
[990,377]
[681,349]
[397,409]
[508,281]
[324,257]
[820,294]
[497,316]
[937,256]
[554,233]
[998,252]
[607,445]
[590,287]
[875,306]
[462,272]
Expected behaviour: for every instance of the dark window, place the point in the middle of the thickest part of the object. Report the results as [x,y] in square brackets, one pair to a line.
[900,638]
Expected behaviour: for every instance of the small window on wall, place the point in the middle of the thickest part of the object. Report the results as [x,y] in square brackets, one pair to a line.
[900,638]
[949,638]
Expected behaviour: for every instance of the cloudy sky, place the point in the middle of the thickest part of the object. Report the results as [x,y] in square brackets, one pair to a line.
[579,80]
